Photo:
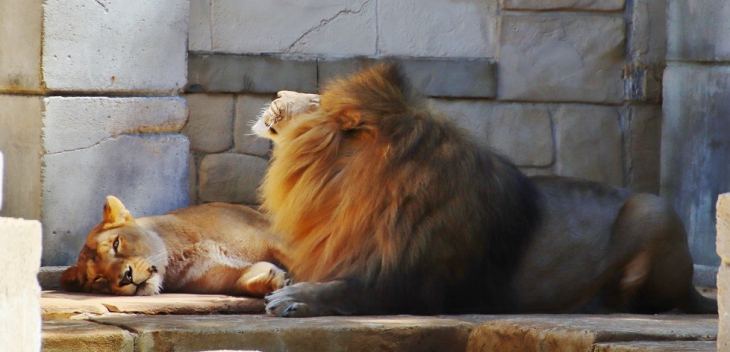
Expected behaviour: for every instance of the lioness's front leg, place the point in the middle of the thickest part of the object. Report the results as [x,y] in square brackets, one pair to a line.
[307,299]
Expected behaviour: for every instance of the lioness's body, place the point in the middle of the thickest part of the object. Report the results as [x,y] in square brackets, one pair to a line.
[212,248]
[389,207]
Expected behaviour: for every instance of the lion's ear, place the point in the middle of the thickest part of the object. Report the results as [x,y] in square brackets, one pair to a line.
[115,214]
[350,119]
[71,280]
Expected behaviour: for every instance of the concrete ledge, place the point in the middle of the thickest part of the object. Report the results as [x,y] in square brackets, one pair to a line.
[49,277]
[393,333]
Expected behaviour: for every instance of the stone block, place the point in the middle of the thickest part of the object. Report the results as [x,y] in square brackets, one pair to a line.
[522,132]
[248,109]
[332,27]
[72,123]
[111,46]
[1,180]
[267,333]
[20,254]
[723,307]
[697,30]
[648,35]
[210,125]
[148,173]
[85,336]
[200,28]
[579,5]
[251,74]
[695,150]
[232,178]
[723,228]
[589,143]
[435,28]
[572,57]
[580,333]
[20,40]
[20,141]
[643,140]
[432,77]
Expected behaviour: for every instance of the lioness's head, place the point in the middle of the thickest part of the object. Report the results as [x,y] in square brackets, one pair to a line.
[119,257]
[287,105]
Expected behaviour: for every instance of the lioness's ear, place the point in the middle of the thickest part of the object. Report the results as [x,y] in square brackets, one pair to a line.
[115,213]
[71,280]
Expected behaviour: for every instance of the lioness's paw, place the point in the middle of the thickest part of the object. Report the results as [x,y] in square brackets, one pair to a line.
[285,302]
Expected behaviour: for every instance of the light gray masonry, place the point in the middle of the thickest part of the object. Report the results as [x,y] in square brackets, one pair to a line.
[605,5]
[210,125]
[248,109]
[148,173]
[230,177]
[698,30]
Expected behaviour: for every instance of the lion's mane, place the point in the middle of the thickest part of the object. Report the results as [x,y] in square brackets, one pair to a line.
[377,187]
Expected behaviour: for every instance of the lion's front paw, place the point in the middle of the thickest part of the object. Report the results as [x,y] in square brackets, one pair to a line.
[289,301]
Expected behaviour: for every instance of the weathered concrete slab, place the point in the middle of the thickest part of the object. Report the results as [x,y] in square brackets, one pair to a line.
[20,38]
[248,110]
[435,28]
[149,173]
[20,141]
[603,5]
[20,254]
[695,150]
[580,333]
[60,304]
[84,336]
[115,46]
[657,346]
[72,123]
[523,132]
[266,333]
[333,27]
[648,35]
[571,58]
[199,26]
[432,77]
[210,125]
[697,30]
[589,143]
[232,178]
[250,74]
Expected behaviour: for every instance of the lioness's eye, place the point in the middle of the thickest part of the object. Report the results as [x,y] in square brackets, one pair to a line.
[115,246]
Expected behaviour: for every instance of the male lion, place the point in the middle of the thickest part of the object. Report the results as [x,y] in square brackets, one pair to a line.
[387,207]
[211,248]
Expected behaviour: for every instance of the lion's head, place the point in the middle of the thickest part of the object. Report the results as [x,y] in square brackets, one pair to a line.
[119,257]
[277,115]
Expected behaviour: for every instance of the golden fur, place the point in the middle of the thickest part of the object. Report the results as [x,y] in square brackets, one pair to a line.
[211,248]
[388,207]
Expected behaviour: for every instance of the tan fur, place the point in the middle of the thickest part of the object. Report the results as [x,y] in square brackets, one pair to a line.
[211,248]
[388,207]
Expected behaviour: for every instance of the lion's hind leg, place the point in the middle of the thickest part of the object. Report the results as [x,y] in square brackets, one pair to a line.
[657,276]
[259,279]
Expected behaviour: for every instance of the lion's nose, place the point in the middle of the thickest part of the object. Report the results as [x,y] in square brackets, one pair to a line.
[127,279]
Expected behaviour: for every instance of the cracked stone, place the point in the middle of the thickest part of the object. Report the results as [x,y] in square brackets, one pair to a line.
[74,123]
[330,28]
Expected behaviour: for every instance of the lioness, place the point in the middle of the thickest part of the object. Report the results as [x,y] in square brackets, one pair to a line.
[211,248]
[388,207]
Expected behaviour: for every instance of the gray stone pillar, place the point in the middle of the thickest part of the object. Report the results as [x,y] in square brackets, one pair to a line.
[695,157]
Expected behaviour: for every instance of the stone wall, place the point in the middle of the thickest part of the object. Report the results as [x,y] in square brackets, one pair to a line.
[695,155]
[562,87]
[90,106]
